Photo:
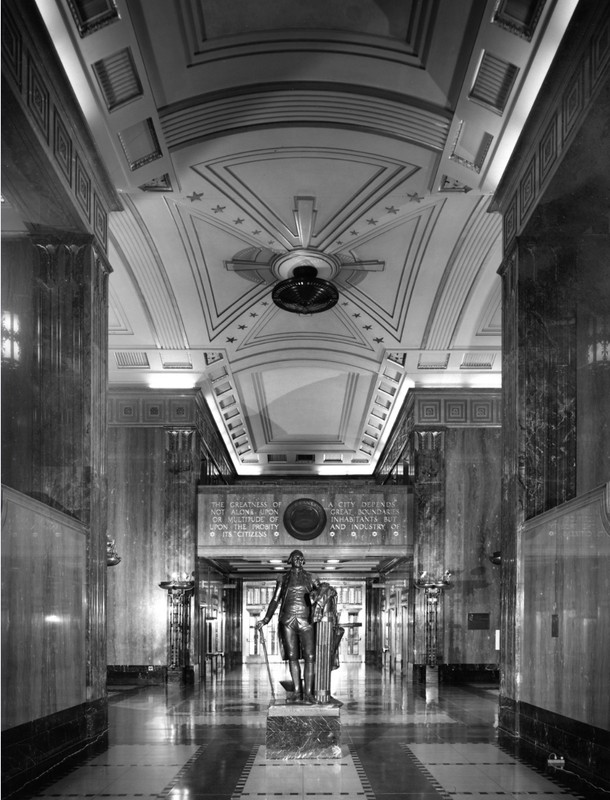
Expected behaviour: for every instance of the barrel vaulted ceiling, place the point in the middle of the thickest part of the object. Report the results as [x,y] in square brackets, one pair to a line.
[364,137]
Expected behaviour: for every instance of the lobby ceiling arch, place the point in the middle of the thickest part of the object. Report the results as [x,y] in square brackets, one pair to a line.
[364,140]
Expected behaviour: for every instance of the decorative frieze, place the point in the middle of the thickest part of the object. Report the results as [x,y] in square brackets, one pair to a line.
[151,408]
[577,80]
[56,118]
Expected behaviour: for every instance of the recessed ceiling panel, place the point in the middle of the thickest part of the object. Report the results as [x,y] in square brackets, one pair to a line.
[309,402]
[232,17]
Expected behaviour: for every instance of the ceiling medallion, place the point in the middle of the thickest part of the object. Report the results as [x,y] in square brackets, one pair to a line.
[304,292]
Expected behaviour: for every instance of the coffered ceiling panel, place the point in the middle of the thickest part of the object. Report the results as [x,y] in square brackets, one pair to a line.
[363,139]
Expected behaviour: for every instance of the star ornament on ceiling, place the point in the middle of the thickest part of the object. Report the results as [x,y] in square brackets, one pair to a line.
[195,196]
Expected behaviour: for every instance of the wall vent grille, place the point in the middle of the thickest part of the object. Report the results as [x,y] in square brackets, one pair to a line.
[140,144]
[118,78]
[431,361]
[478,361]
[494,82]
[132,360]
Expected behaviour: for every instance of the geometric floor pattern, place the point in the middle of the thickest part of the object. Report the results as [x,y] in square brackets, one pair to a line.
[472,771]
[314,778]
[400,740]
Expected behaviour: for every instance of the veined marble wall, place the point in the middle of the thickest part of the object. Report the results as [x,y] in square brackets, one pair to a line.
[161,447]
[136,488]
[556,382]
[457,528]
[152,480]
[44,580]
[472,534]
[566,610]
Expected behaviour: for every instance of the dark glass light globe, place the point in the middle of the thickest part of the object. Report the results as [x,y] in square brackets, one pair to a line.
[304,292]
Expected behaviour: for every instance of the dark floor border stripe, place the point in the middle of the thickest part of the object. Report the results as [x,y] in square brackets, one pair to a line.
[245,773]
[181,772]
[426,772]
[366,784]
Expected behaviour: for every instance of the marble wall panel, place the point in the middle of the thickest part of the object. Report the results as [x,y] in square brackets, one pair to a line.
[564,630]
[429,539]
[18,335]
[511,489]
[44,578]
[472,505]
[136,489]
[96,321]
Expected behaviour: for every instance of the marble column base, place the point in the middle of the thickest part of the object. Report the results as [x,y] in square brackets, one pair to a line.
[295,731]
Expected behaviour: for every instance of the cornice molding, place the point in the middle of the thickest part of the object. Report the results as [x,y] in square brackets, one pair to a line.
[385,114]
[32,72]
[580,69]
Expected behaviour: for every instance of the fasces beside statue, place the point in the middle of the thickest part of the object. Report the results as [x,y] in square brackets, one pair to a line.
[308,629]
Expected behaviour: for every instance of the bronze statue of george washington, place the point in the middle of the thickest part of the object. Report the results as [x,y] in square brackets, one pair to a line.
[293,595]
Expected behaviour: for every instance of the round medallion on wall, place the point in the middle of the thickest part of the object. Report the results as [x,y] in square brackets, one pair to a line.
[304,519]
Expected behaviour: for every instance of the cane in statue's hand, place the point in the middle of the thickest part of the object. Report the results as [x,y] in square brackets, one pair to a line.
[259,628]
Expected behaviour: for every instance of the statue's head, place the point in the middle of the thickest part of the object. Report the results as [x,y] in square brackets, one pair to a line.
[296,558]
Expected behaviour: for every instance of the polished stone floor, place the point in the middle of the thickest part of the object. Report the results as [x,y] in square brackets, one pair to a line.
[400,739]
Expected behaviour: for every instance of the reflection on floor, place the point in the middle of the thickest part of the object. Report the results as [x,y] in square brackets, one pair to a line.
[207,742]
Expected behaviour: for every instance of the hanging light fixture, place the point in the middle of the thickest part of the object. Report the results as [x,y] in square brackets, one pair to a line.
[304,292]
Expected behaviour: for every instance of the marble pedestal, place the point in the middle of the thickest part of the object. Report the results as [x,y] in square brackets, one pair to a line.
[295,731]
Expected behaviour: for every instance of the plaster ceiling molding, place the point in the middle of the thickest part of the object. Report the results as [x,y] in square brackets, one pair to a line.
[118,320]
[400,48]
[489,322]
[134,244]
[185,125]
[464,269]
[345,184]
[403,247]
[207,28]
[278,330]
[223,296]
